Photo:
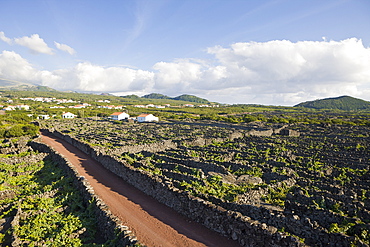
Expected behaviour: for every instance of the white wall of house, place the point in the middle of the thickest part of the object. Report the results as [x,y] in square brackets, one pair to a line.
[68,115]
[121,116]
[147,118]
[43,117]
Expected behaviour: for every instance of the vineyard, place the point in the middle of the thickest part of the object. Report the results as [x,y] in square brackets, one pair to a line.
[310,181]
[39,203]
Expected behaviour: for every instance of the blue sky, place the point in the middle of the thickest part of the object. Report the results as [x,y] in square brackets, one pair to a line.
[277,52]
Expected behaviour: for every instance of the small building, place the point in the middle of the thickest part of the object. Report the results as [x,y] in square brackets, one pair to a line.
[44,116]
[68,115]
[9,108]
[147,118]
[23,107]
[57,106]
[119,116]
[140,106]
[77,106]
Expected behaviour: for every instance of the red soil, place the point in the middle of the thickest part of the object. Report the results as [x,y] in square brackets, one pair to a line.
[153,223]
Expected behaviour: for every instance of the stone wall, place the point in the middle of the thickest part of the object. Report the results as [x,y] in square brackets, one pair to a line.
[109,225]
[229,223]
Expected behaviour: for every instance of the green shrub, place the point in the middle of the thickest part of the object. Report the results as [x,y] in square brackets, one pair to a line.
[19,130]
[14,131]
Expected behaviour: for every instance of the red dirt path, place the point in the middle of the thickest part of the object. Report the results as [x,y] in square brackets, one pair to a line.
[153,223]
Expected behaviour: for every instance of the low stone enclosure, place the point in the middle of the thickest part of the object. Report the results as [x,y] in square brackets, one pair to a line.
[313,191]
[227,222]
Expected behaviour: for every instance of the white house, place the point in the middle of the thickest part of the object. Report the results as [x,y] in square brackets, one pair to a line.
[68,115]
[119,116]
[147,118]
[140,106]
[23,107]
[10,108]
[43,117]
[77,106]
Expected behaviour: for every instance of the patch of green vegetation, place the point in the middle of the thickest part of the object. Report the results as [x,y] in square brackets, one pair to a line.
[346,103]
[50,209]
[276,196]
[215,187]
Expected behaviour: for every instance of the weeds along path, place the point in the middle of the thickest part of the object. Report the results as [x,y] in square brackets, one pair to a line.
[153,223]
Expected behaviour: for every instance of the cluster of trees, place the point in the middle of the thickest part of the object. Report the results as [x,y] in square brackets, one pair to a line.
[17,125]
[19,130]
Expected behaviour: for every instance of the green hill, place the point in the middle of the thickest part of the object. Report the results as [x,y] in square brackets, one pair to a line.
[155,96]
[346,103]
[184,97]
[191,98]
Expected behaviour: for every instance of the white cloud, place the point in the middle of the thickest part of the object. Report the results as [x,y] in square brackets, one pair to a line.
[319,69]
[83,77]
[176,76]
[88,77]
[35,44]
[277,72]
[5,39]
[13,66]
[65,48]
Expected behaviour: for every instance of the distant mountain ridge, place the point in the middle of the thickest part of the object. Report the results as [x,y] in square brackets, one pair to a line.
[346,103]
[13,85]
[184,97]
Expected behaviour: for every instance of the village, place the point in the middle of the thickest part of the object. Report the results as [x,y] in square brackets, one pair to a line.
[102,104]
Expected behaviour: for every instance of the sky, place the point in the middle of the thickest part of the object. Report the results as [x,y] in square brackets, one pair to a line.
[271,52]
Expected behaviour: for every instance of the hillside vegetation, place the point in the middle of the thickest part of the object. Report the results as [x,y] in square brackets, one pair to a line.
[184,97]
[345,103]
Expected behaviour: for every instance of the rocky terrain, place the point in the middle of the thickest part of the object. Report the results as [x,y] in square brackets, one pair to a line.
[309,181]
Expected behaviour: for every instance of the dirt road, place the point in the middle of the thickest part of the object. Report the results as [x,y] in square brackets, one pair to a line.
[153,223]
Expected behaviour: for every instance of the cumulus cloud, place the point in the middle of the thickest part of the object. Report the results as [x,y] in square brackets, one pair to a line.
[5,39]
[82,77]
[277,72]
[278,67]
[89,77]
[65,48]
[177,76]
[13,66]
[35,44]
[274,72]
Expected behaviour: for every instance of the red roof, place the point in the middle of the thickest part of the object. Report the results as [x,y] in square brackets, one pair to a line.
[143,115]
[116,113]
